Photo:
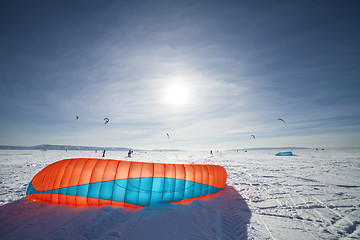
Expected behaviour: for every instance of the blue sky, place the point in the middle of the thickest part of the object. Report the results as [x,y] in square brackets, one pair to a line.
[210,73]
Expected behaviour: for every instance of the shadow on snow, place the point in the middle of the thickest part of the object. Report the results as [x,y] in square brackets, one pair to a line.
[223,216]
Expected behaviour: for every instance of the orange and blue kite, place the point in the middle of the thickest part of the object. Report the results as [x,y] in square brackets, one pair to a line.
[89,181]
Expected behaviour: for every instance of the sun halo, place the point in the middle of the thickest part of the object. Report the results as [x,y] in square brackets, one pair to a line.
[177,95]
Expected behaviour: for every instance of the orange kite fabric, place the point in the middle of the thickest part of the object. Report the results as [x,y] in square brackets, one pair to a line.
[89,181]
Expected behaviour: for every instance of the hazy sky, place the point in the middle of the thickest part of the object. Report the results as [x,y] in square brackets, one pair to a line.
[209,73]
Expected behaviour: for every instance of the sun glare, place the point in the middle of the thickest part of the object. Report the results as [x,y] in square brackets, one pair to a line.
[177,95]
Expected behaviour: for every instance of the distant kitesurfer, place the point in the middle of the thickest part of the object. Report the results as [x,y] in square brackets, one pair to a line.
[104,153]
[129,153]
[211,152]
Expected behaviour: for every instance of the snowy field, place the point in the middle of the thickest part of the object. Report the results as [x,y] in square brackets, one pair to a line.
[313,195]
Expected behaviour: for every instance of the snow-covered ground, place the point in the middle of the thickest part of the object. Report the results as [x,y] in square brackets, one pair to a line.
[313,195]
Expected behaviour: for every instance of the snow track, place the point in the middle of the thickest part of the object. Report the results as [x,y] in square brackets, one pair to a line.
[313,195]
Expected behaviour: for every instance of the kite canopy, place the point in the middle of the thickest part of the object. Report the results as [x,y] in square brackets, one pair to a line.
[280,119]
[284,154]
[88,181]
[106,120]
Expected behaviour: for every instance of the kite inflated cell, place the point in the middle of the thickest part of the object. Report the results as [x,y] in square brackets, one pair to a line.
[89,181]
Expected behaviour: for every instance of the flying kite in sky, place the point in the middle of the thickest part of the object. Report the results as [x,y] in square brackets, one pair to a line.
[253,136]
[280,119]
[77,117]
[106,120]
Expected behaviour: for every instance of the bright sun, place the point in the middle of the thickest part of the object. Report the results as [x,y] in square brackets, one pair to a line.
[177,95]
